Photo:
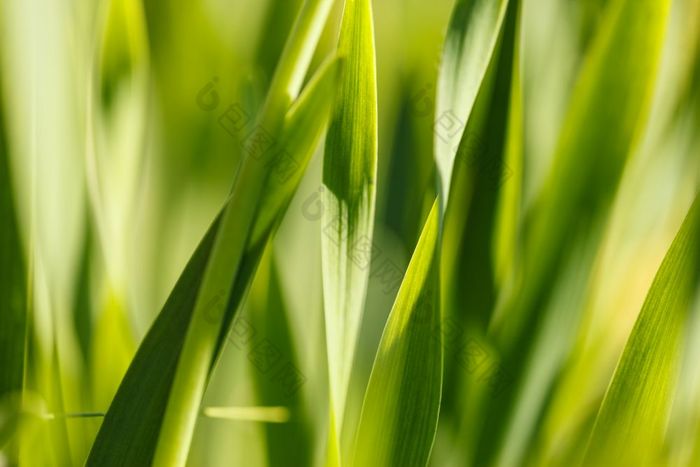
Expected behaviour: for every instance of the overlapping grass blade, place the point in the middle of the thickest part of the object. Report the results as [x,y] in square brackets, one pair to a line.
[469,45]
[631,423]
[482,220]
[481,217]
[349,173]
[400,409]
[133,423]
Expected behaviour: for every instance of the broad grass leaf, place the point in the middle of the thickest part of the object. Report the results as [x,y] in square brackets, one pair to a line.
[402,400]
[239,217]
[631,424]
[349,173]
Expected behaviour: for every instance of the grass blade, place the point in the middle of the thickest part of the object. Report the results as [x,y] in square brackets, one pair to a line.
[229,247]
[631,423]
[349,173]
[470,43]
[609,109]
[400,409]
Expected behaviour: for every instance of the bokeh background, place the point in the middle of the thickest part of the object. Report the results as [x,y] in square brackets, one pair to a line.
[121,124]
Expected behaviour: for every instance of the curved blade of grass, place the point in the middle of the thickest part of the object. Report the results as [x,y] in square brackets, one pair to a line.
[13,300]
[480,219]
[131,427]
[609,106]
[349,173]
[471,39]
[400,409]
[631,423]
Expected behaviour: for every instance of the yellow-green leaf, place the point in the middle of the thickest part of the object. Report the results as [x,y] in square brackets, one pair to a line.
[400,409]
[631,423]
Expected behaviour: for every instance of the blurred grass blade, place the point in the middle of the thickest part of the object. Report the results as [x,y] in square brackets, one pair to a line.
[609,109]
[130,431]
[289,443]
[349,173]
[400,409]
[13,301]
[238,218]
[631,423]
[605,117]
[471,39]
[279,18]
[480,219]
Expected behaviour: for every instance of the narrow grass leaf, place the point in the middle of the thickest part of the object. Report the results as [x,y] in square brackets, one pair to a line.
[400,409]
[631,423]
[349,173]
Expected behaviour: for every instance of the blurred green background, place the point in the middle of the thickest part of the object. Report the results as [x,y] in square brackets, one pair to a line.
[121,125]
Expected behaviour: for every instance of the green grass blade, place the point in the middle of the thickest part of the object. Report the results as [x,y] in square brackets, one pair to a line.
[130,431]
[471,39]
[400,409]
[13,300]
[480,218]
[482,221]
[349,173]
[631,423]
[609,109]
